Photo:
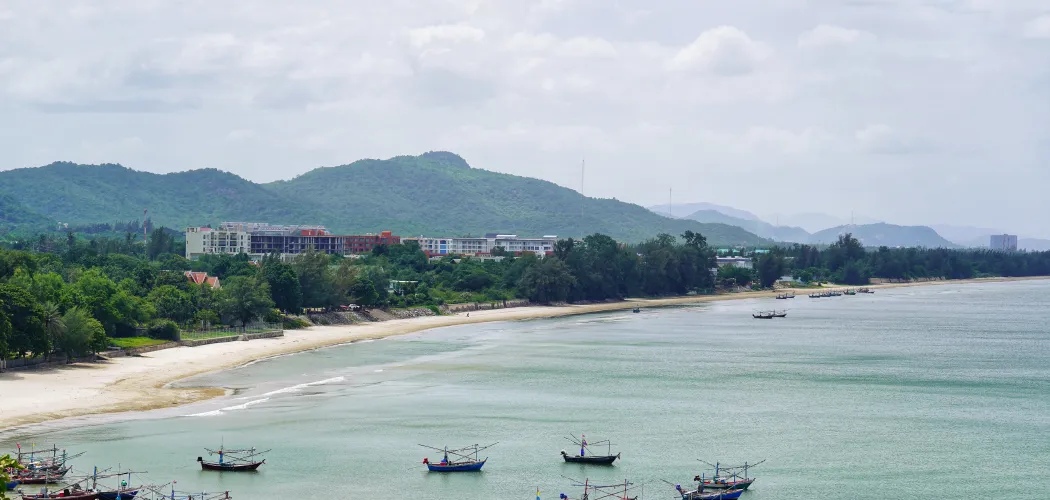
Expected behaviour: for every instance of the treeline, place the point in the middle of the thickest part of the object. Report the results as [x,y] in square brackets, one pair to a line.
[848,262]
[71,297]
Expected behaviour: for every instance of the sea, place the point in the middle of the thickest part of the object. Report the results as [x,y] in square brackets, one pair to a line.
[930,392]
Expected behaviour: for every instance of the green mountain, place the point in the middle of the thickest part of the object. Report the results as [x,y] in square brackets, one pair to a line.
[15,215]
[435,194]
[881,234]
[758,227]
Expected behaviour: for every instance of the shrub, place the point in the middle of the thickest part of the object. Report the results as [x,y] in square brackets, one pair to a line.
[273,316]
[165,329]
[293,323]
[434,309]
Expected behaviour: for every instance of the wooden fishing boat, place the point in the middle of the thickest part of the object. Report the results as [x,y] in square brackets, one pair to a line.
[762,315]
[463,459]
[785,296]
[41,477]
[865,290]
[12,485]
[780,314]
[31,461]
[637,310]
[124,494]
[618,491]
[585,456]
[727,478]
[65,494]
[233,460]
[700,494]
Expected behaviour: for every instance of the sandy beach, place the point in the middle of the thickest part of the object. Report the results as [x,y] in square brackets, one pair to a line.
[139,383]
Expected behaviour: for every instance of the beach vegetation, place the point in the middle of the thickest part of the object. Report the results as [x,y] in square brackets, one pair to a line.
[133,342]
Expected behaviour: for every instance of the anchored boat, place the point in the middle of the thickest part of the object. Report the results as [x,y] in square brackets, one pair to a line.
[463,459]
[585,456]
[234,460]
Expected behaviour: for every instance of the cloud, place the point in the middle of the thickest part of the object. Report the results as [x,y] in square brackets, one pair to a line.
[694,93]
[453,33]
[724,50]
[826,35]
[1038,27]
[885,140]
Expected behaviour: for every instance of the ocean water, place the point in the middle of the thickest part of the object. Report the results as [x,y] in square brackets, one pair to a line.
[938,392]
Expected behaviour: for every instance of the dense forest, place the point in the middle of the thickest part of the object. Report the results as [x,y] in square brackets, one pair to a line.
[70,296]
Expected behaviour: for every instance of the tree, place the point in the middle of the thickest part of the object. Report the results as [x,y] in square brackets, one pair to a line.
[770,267]
[316,280]
[245,298]
[730,276]
[284,284]
[81,329]
[547,281]
[26,319]
[54,327]
[7,464]
[160,242]
[171,303]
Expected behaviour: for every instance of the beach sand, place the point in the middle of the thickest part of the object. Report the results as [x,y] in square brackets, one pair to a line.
[139,383]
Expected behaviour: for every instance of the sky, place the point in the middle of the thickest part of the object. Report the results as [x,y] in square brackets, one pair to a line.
[909,111]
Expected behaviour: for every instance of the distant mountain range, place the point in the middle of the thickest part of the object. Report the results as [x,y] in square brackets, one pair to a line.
[882,234]
[758,227]
[435,194]
[869,233]
[684,210]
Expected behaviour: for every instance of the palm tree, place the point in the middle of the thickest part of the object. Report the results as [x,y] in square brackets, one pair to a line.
[54,327]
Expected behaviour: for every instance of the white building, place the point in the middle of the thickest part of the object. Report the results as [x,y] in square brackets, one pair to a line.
[480,246]
[229,239]
[742,262]
[1004,242]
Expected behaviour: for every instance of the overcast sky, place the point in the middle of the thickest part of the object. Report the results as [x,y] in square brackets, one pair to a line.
[912,111]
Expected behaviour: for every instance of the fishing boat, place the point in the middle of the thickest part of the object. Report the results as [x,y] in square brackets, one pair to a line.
[12,485]
[700,494]
[74,493]
[780,314]
[161,493]
[46,476]
[762,315]
[463,459]
[618,491]
[785,296]
[585,456]
[122,492]
[637,310]
[234,460]
[850,292]
[727,478]
[865,290]
[37,460]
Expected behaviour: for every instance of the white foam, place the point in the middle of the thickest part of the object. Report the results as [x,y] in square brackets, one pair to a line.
[246,405]
[206,414]
[299,387]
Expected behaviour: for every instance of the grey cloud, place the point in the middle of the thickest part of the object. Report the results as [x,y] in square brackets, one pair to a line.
[115,106]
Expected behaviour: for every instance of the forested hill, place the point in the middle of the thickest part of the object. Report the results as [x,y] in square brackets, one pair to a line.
[433,194]
[889,235]
[14,214]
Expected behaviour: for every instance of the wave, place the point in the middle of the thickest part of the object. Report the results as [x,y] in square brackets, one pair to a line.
[299,387]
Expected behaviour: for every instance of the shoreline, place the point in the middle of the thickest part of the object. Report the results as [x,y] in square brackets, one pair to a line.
[141,383]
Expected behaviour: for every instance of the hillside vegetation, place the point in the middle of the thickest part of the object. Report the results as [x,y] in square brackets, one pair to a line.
[435,193]
[889,235]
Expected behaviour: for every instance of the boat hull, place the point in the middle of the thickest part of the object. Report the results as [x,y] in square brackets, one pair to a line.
[713,495]
[74,496]
[12,485]
[460,467]
[231,467]
[112,495]
[592,460]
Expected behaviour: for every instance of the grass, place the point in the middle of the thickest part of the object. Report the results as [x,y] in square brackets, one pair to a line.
[228,332]
[132,342]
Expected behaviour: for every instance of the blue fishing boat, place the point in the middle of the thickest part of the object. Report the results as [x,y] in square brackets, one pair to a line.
[463,459]
[12,485]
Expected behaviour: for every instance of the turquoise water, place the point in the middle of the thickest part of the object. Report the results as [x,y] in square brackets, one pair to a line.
[931,392]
